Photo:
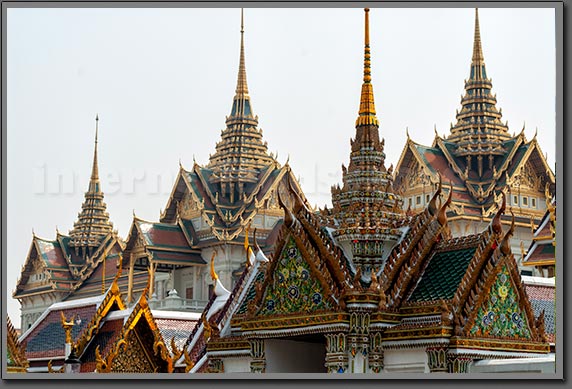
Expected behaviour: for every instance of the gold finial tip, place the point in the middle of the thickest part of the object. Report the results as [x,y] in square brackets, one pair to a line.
[96,116]
[366,9]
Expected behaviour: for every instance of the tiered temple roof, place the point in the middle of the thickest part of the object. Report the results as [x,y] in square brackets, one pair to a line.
[75,265]
[93,221]
[241,153]
[479,157]
[479,129]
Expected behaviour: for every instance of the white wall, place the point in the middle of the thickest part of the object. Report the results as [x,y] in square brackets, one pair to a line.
[237,365]
[405,361]
[521,365]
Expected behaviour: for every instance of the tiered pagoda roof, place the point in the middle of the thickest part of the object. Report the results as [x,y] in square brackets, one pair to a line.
[69,264]
[217,201]
[93,221]
[366,210]
[479,129]
[241,153]
[479,157]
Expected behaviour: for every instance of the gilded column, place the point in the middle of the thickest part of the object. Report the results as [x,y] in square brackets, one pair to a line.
[358,342]
[336,353]
[258,363]
[375,353]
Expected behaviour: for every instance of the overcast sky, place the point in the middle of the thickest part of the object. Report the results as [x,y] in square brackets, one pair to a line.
[162,82]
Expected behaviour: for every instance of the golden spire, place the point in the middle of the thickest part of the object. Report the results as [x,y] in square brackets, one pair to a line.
[95,169]
[367,105]
[477,46]
[93,221]
[241,105]
[241,86]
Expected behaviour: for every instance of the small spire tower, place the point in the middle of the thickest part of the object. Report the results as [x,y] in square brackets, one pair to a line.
[478,130]
[93,220]
[366,209]
[241,154]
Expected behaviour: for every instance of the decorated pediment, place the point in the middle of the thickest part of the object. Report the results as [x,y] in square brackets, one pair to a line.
[294,288]
[500,314]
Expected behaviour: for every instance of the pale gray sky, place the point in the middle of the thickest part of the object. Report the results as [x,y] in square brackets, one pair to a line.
[162,81]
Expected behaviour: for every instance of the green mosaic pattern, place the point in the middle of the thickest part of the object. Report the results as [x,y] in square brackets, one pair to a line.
[292,289]
[501,315]
[443,275]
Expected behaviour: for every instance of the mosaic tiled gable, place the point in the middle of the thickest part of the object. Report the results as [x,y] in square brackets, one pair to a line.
[501,315]
[293,289]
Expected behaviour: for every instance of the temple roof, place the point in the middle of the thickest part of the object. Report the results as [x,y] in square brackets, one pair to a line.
[542,250]
[442,274]
[542,295]
[46,338]
[479,157]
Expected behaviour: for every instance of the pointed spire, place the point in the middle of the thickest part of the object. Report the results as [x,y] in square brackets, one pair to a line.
[94,168]
[479,130]
[241,152]
[241,108]
[367,104]
[241,85]
[367,189]
[477,45]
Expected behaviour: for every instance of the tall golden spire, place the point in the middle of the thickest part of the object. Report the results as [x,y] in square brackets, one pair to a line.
[241,152]
[479,131]
[365,208]
[241,108]
[95,169]
[241,86]
[367,104]
[477,46]
[93,220]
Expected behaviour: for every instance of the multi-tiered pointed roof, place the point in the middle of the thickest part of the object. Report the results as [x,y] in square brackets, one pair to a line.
[479,128]
[93,220]
[479,157]
[366,208]
[241,153]
[239,181]
[75,265]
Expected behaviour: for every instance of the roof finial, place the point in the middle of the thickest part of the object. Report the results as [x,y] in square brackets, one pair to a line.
[477,46]
[241,86]
[367,104]
[94,169]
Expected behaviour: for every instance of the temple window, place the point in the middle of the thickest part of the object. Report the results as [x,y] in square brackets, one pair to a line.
[515,200]
[418,200]
[525,201]
[533,202]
